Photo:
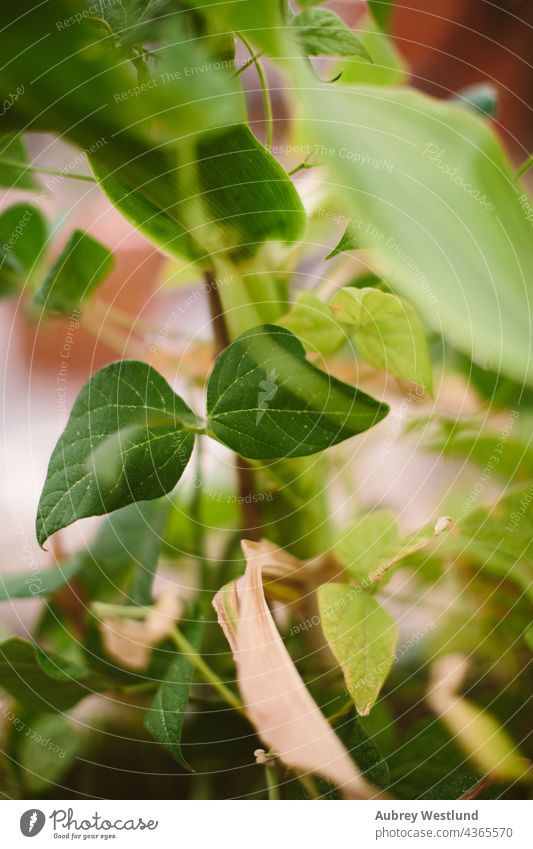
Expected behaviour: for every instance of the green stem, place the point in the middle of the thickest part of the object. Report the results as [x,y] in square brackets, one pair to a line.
[38,169]
[309,786]
[525,167]
[123,611]
[183,645]
[267,102]
[271,776]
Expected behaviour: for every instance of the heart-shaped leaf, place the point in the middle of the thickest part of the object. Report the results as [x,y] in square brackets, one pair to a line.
[128,438]
[388,333]
[362,636]
[265,400]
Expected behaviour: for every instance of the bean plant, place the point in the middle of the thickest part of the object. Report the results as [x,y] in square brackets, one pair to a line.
[249,619]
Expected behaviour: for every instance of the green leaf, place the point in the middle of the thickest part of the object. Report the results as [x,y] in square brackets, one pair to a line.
[128,439]
[49,747]
[349,241]
[39,583]
[445,218]
[79,269]
[166,715]
[23,232]
[155,223]
[362,636]
[482,98]
[13,149]
[265,400]
[311,321]
[388,333]
[369,541]
[381,12]
[321,32]
[40,681]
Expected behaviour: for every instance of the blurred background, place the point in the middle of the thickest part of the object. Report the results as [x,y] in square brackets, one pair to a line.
[446,47]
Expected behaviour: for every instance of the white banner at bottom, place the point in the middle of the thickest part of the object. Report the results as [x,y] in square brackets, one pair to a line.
[264,825]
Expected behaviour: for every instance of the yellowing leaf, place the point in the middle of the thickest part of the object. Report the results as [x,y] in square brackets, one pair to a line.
[362,635]
[388,333]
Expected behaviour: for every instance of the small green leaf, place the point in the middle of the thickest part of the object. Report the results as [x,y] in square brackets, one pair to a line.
[23,232]
[321,32]
[76,273]
[128,439]
[482,98]
[265,400]
[367,543]
[388,333]
[311,321]
[349,241]
[166,715]
[362,636]
[388,67]
[39,583]
[13,149]
[40,681]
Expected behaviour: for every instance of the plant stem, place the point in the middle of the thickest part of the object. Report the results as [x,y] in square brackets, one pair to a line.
[267,103]
[309,786]
[525,167]
[250,512]
[271,776]
[183,645]
[41,169]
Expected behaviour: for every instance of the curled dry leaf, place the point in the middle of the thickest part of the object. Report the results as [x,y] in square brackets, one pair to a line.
[477,732]
[130,641]
[276,699]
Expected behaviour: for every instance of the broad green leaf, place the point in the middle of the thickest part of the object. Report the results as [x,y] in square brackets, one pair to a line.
[310,319]
[321,32]
[247,197]
[388,333]
[128,438]
[362,636]
[367,543]
[13,149]
[155,223]
[483,98]
[349,241]
[166,715]
[381,11]
[266,401]
[39,583]
[446,219]
[23,235]
[79,269]
[48,749]
[40,681]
